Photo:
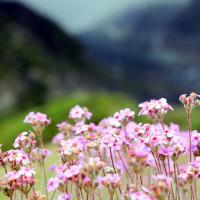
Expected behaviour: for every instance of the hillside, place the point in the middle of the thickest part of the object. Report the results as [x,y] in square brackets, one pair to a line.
[155,49]
[37,58]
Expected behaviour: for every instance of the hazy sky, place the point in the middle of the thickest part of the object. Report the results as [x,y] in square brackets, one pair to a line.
[80,15]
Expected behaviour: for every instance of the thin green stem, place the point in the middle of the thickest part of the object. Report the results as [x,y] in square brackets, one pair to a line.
[43,165]
[189,131]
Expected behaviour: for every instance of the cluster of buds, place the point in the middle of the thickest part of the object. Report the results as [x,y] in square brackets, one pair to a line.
[65,128]
[190,101]
[94,165]
[16,159]
[124,116]
[190,172]
[64,174]
[89,131]
[21,180]
[111,141]
[138,159]
[65,131]
[71,150]
[110,181]
[38,121]
[131,193]
[25,141]
[161,186]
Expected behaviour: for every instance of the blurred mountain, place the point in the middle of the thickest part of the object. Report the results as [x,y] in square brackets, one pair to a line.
[187,22]
[151,51]
[37,58]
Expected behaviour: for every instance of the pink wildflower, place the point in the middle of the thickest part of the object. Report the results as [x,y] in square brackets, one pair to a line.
[38,154]
[53,184]
[25,141]
[57,139]
[124,116]
[16,158]
[155,109]
[79,114]
[111,141]
[64,196]
[35,119]
[190,101]
[139,196]
[110,181]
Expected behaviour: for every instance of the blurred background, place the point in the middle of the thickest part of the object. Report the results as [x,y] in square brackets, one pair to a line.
[103,54]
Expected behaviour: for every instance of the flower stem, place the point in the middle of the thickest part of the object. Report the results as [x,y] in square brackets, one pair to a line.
[125,167]
[43,166]
[189,131]
[111,156]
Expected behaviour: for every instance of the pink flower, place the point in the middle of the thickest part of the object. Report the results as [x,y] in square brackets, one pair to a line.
[74,170]
[16,158]
[111,141]
[71,149]
[53,184]
[24,177]
[27,172]
[195,139]
[38,154]
[165,151]
[139,157]
[79,114]
[64,127]
[25,141]
[163,180]
[57,139]
[93,165]
[139,196]
[124,116]
[64,196]
[190,101]
[37,119]
[110,180]
[52,168]
[155,109]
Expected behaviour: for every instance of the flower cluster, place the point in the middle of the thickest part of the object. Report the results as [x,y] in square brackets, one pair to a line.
[79,114]
[37,119]
[18,163]
[155,109]
[116,158]
[190,101]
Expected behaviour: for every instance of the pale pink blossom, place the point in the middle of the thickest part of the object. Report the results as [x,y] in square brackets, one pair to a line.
[139,196]
[78,113]
[35,119]
[39,154]
[155,109]
[124,116]
[110,180]
[53,184]
[190,101]
[64,196]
